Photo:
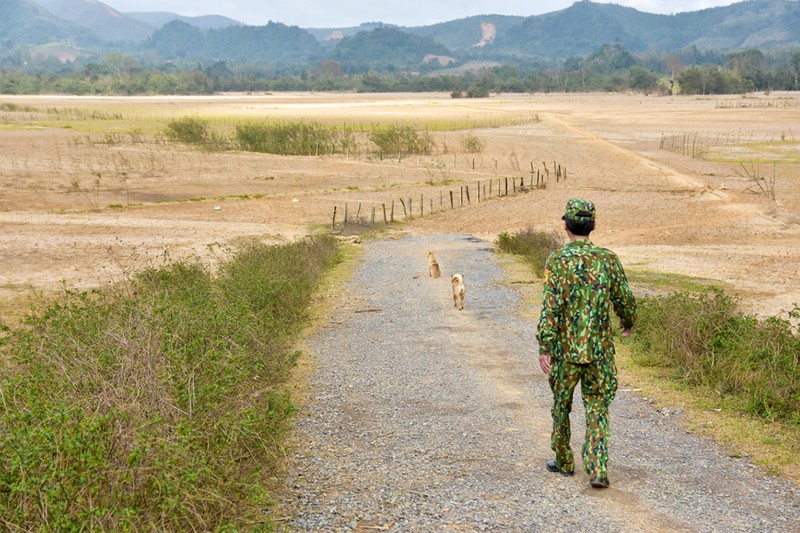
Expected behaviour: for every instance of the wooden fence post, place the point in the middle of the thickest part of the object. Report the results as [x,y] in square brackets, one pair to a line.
[392,210]
[385,220]
[358,214]
[333,223]
[421,205]
[451,200]
[537,181]
[466,188]
[405,213]
[345,214]
[479,191]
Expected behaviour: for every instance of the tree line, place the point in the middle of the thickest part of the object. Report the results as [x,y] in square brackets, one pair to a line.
[611,69]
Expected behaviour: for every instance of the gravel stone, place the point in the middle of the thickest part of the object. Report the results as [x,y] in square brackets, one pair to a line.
[421,417]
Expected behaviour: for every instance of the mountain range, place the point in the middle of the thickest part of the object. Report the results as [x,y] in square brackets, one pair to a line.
[90,28]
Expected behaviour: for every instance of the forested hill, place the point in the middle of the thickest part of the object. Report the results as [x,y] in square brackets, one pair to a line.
[24,24]
[385,48]
[27,29]
[273,43]
[586,25]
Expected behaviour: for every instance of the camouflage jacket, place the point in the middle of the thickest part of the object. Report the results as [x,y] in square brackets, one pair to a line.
[582,282]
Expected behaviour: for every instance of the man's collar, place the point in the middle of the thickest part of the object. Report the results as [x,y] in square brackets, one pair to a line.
[580,242]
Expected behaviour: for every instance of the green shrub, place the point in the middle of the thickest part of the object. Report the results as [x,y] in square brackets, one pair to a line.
[708,341]
[532,245]
[188,130]
[472,144]
[294,138]
[400,141]
[160,406]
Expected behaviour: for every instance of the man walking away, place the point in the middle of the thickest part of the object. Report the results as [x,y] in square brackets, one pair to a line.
[582,283]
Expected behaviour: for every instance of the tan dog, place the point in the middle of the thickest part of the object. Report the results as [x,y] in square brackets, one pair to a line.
[433,266]
[459,290]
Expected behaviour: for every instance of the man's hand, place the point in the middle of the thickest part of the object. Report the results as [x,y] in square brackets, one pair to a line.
[544,362]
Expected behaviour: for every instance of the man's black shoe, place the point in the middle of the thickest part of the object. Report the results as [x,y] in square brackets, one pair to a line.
[600,482]
[553,467]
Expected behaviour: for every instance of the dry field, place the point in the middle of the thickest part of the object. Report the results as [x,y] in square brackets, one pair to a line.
[91,191]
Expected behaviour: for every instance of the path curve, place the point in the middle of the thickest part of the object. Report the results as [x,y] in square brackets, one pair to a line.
[421,417]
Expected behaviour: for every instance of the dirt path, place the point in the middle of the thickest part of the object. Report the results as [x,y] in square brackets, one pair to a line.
[421,417]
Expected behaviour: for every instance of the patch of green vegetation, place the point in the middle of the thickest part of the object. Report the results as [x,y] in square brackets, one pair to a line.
[473,144]
[18,127]
[754,160]
[294,138]
[757,153]
[774,445]
[400,141]
[533,245]
[671,282]
[704,339]
[189,130]
[161,404]
[197,132]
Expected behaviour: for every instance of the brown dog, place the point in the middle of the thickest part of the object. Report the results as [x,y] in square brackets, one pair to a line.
[459,290]
[433,266]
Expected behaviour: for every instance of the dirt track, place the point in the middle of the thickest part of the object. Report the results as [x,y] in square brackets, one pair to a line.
[420,417]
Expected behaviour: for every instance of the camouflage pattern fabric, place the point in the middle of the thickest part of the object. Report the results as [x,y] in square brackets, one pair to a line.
[582,284]
[598,388]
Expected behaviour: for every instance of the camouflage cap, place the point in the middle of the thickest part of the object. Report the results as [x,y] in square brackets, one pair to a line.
[579,209]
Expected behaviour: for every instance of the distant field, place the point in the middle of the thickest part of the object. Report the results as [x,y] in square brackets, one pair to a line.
[92,188]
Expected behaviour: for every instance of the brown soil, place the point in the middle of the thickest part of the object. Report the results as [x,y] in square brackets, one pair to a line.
[662,212]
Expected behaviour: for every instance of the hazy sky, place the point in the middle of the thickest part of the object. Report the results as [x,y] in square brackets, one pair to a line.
[345,13]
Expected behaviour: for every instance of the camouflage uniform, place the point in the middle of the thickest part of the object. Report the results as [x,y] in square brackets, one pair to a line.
[582,282]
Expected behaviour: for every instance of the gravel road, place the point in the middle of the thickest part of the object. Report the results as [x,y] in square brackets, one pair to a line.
[421,417]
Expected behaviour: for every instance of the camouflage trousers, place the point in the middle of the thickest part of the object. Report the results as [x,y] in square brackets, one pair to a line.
[598,388]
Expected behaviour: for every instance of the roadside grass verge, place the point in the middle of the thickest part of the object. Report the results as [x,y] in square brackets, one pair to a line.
[752,364]
[160,405]
[736,376]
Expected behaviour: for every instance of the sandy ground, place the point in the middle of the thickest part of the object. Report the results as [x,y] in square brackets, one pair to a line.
[90,192]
